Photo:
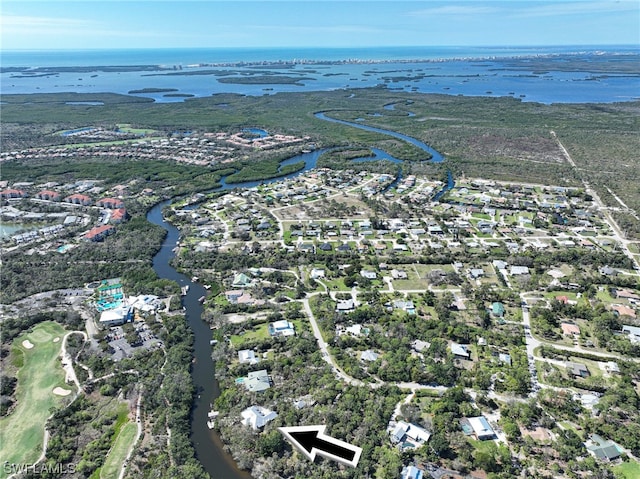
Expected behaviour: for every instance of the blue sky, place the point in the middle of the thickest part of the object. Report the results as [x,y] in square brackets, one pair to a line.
[58,24]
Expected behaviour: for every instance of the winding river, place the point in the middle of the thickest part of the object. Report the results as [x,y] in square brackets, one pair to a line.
[208,446]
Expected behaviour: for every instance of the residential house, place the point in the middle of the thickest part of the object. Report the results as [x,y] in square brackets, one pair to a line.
[281,328]
[626,294]
[497,309]
[368,274]
[12,193]
[257,381]
[480,428]
[611,367]
[99,233]
[407,306]
[369,355]
[317,273]
[519,270]
[78,199]
[569,329]
[111,203]
[505,358]
[49,195]
[622,310]
[233,295]
[577,370]
[605,450]
[476,273]
[460,350]
[345,305]
[119,215]
[325,247]
[411,472]
[633,332]
[418,345]
[398,274]
[241,280]
[307,248]
[409,435]
[257,417]
[248,356]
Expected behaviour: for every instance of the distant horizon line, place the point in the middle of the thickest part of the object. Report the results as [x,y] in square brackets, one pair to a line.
[348,47]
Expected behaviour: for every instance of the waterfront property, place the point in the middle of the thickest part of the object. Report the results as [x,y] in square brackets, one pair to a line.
[257,381]
[257,417]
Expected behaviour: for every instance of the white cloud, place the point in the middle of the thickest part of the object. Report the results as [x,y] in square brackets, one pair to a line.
[578,8]
[21,22]
[454,10]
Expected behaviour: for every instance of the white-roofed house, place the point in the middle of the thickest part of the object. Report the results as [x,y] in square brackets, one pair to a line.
[282,328]
[411,472]
[481,428]
[460,350]
[409,435]
[247,356]
[368,355]
[257,417]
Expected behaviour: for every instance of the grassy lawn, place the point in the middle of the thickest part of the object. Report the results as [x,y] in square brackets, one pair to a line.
[124,127]
[22,432]
[260,332]
[630,469]
[571,426]
[118,453]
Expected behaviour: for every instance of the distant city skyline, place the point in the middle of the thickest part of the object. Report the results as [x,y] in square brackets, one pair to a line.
[116,24]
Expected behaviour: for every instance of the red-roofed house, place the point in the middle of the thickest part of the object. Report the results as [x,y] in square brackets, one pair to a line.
[99,232]
[625,293]
[562,299]
[12,193]
[78,199]
[570,329]
[49,195]
[623,310]
[111,203]
[119,215]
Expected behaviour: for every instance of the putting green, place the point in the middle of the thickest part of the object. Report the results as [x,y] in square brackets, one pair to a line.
[22,432]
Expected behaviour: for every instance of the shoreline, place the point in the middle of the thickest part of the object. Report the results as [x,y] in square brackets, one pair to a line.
[600,53]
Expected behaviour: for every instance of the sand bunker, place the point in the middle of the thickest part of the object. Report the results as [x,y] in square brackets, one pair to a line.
[56,339]
[61,392]
[27,344]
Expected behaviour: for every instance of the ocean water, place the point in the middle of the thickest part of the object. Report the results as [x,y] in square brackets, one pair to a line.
[469,71]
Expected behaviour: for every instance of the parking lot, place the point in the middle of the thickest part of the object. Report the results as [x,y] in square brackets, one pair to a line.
[116,337]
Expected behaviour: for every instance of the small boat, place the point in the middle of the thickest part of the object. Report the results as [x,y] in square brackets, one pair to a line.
[213,414]
[194,279]
[184,290]
[201,299]
[211,424]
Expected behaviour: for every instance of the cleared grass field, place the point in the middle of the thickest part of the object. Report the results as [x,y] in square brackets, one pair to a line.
[629,469]
[118,453]
[22,432]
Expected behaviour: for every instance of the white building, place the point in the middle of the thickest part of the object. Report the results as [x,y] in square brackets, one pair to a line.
[257,417]
[247,356]
[481,428]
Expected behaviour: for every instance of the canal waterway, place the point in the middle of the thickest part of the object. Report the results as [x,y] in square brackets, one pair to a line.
[208,446]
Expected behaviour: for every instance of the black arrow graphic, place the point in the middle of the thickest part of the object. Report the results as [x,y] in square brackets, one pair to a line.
[311,441]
